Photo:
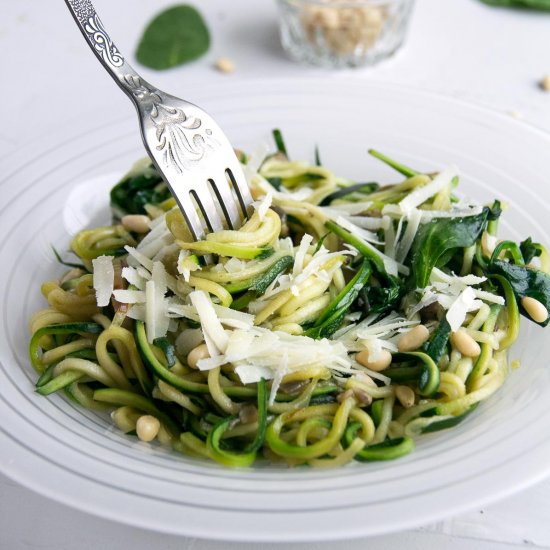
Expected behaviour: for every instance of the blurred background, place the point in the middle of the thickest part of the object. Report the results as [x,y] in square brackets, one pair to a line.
[494,56]
[463,48]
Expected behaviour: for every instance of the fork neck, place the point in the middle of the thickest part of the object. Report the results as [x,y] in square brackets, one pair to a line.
[136,88]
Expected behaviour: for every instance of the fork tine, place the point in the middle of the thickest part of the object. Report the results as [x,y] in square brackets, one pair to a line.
[183,141]
[227,200]
[205,201]
[240,185]
[190,214]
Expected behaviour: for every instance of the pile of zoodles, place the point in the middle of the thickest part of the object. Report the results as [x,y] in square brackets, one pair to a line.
[341,322]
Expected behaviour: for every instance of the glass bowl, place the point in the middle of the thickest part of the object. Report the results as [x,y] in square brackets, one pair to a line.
[343,33]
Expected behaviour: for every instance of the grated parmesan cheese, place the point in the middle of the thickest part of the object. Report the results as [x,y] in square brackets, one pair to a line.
[305,243]
[422,194]
[255,350]
[129,296]
[357,231]
[263,205]
[103,279]
[156,318]
[133,277]
[214,334]
[186,264]
[428,215]
[460,307]
[414,218]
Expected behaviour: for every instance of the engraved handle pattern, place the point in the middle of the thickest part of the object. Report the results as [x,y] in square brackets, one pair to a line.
[93,30]
[181,140]
[102,45]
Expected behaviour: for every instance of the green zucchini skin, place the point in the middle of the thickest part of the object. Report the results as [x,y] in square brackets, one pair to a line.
[348,238]
[364,188]
[319,416]
[376,411]
[247,455]
[164,373]
[447,423]
[427,373]
[387,450]
[119,398]
[58,383]
[257,286]
[390,449]
[331,319]
[160,370]
[260,284]
[59,329]
[438,343]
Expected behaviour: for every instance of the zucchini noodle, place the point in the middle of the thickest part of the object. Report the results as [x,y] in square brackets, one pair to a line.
[342,321]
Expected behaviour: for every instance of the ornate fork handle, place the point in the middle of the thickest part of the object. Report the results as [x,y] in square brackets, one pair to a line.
[189,149]
[137,89]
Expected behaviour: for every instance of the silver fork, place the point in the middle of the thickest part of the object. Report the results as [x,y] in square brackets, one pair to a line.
[188,148]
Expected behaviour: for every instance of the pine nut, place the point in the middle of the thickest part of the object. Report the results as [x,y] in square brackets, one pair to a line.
[545,83]
[200,352]
[138,223]
[405,396]
[362,397]
[535,309]
[383,362]
[248,414]
[413,339]
[147,427]
[225,65]
[465,344]
[344,395]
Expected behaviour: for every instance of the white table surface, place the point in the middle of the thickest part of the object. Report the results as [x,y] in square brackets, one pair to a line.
[461,48]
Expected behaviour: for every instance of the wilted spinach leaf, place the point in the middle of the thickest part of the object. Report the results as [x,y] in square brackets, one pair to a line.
[139,187]
[175,36]
[529,250]
[437,345]
[384,298]
[436,239]
[524,281]
[333,316]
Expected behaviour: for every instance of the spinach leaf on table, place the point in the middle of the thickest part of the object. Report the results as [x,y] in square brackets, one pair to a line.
[175,36]
[532,4]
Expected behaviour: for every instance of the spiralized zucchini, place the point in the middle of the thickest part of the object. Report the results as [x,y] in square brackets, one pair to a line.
[343,321]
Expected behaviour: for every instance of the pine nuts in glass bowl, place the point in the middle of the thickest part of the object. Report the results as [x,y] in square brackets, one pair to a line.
[343,33]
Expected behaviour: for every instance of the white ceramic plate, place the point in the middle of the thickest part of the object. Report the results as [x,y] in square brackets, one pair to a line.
[53,189]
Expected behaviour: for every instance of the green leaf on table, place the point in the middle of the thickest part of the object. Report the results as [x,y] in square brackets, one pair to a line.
[175,36]
[532,4]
